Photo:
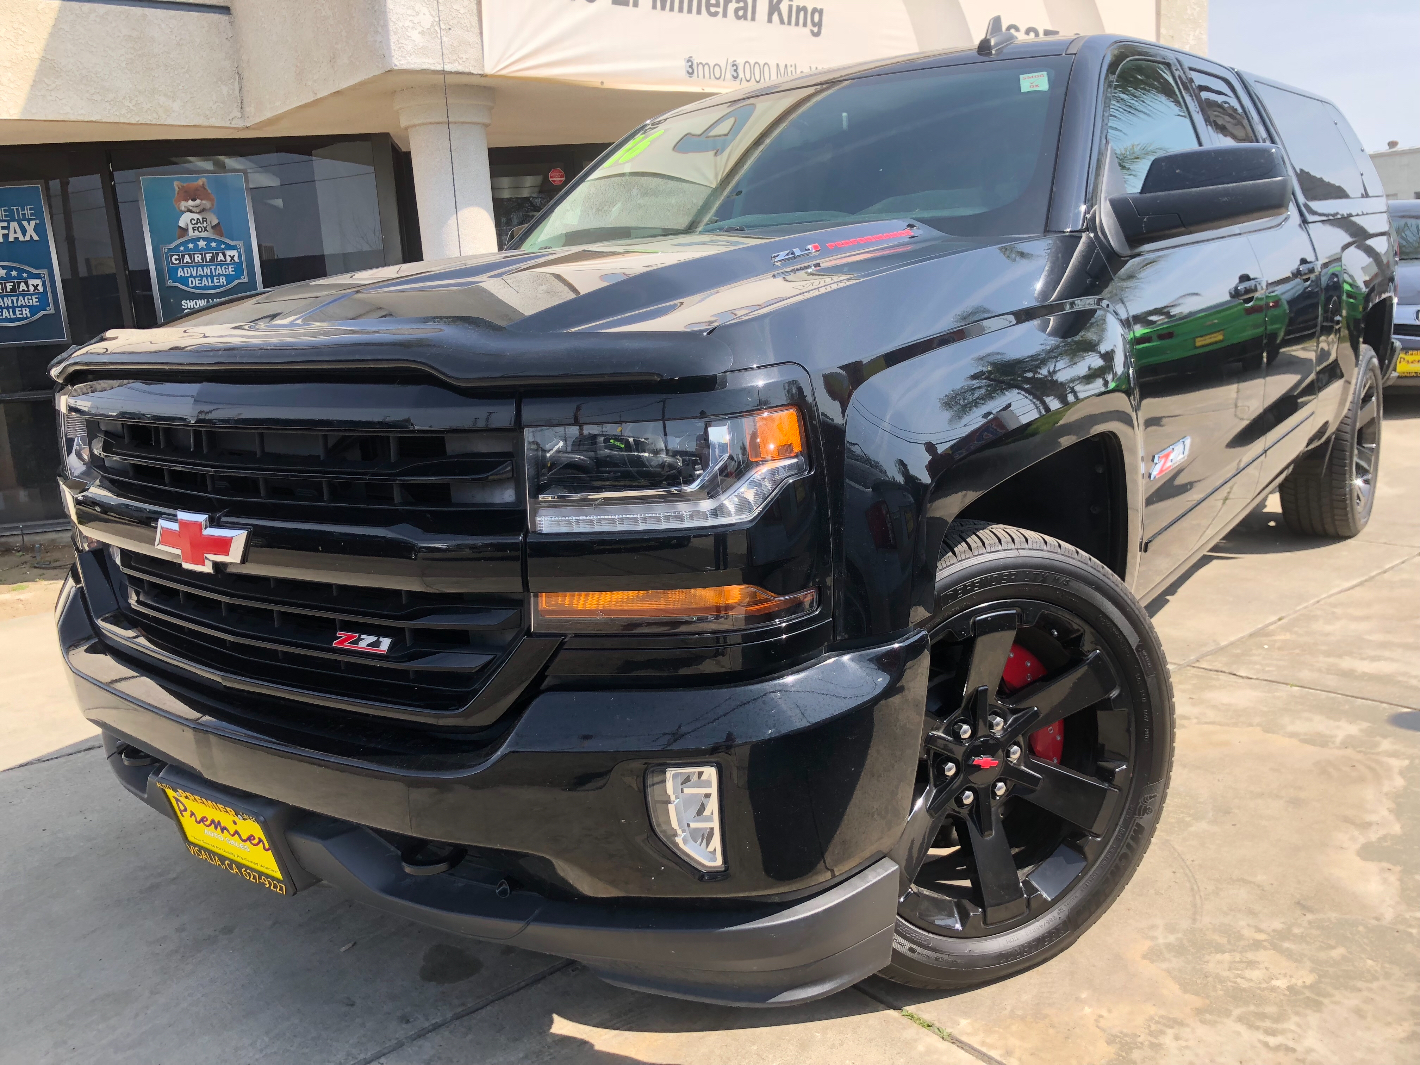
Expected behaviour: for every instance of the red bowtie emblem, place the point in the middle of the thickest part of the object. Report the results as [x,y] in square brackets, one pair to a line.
[981,761]
[197,545]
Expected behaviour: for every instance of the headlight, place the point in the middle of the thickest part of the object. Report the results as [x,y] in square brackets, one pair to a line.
[73,442]
[644,476]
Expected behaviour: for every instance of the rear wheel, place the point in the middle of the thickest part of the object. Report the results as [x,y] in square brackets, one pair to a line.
[1332,491]
[1048,743]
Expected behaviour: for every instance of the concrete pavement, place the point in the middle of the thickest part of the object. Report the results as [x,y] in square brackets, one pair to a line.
[1276,917]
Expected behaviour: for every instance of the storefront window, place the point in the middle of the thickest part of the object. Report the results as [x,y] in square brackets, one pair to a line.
[526,179]
[315,211]
[73,189]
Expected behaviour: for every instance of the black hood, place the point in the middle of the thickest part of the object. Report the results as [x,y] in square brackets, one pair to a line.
[618,312]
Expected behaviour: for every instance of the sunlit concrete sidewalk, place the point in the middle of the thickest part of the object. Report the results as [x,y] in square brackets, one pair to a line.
[1276,917]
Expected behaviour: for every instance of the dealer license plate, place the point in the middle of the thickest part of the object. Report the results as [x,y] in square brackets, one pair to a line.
[1408,365]
[226,838]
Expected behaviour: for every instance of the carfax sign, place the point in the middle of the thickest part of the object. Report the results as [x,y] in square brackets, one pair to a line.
[31,299]
[201,241]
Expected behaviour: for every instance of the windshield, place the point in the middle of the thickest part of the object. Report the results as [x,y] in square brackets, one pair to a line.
[968,150]
[1406,217]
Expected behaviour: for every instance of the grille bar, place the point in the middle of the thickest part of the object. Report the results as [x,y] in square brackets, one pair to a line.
[379,472]
[250,635]
[147,569]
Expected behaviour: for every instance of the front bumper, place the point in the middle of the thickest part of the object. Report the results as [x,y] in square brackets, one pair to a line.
[816,767]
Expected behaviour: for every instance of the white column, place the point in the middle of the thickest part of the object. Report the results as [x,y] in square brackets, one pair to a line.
[448,146]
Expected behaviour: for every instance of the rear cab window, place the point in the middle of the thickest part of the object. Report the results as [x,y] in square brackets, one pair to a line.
[1322,148]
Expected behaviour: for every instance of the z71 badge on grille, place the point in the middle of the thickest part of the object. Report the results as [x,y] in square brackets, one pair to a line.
[375,645]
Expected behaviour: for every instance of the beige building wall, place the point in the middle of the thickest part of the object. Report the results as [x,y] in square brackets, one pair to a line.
[73,72]
[1400,172]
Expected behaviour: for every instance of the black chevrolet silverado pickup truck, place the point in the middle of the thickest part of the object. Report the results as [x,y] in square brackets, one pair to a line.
[736,584]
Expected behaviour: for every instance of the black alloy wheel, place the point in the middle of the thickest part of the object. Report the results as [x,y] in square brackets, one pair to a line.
[1047,745]
[1365,454]
[1331,491]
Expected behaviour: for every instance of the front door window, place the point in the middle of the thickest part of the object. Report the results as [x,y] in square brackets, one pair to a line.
[1147,118]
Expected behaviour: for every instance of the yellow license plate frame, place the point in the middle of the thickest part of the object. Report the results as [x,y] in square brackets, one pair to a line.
[226,838]
[1408,365]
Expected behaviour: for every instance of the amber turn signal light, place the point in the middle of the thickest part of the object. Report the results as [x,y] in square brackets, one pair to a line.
[726,606]
[775,434]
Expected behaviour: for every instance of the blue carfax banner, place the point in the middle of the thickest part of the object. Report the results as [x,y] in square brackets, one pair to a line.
[31,298]
[201,241]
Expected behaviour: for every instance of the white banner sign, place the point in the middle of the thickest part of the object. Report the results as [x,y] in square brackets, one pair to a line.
[714,45]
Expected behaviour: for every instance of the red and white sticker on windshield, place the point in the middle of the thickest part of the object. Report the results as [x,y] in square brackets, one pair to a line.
[870,239]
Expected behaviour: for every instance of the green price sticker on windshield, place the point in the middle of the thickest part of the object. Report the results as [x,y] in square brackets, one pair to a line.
[1036,82]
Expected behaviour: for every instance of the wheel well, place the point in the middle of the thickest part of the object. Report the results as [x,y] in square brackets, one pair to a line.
[1376,331]
[1076,495]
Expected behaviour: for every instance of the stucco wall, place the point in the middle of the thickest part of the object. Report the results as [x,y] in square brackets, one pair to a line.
[73,71]
[1184,24]
[1400,172]
[295,53]
[67,62]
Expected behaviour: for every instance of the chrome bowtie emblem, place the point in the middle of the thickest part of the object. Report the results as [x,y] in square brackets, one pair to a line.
[197,544]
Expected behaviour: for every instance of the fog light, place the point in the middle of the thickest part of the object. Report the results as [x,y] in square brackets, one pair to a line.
[685,811]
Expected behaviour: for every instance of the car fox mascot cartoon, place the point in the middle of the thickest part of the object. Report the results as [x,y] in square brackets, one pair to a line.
[196,202]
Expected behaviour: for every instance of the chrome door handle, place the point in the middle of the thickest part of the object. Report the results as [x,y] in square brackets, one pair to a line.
[1304,269]
[1247,287]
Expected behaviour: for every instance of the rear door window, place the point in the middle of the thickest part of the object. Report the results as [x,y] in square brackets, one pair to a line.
[1147,118]
[1222,109]
[1326,168]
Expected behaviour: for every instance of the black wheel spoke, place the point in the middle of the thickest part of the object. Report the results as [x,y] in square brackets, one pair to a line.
[1365,457]
[1366,416]
[995,635]
[1058,697]
[993,868]
[1083,801]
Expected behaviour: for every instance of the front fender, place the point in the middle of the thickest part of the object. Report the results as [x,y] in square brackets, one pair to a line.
[930,434]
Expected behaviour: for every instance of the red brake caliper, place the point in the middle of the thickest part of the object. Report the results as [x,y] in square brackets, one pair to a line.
[1023,668]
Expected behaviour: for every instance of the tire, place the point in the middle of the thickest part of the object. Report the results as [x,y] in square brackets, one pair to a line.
[1002,587]
[1332,490]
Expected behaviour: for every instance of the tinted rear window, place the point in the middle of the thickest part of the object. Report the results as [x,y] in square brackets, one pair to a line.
[1326,167]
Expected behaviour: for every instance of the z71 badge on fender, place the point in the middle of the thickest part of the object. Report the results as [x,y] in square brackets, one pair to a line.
[375,645]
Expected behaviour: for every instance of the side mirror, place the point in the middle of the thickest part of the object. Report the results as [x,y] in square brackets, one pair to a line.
[1203,189]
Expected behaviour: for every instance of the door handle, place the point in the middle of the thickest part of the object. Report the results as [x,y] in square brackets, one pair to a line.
[1304,269]
[1247,287]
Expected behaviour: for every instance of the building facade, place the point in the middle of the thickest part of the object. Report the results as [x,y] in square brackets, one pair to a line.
[1399,169]
[327,136]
